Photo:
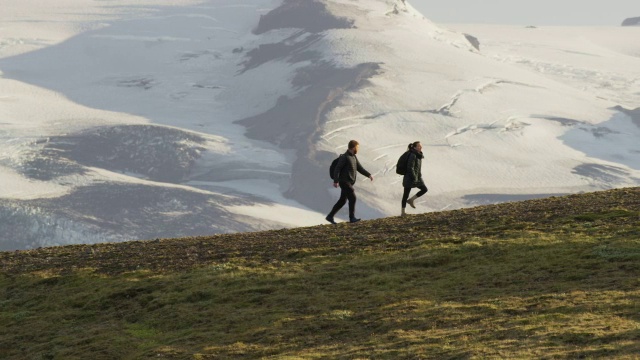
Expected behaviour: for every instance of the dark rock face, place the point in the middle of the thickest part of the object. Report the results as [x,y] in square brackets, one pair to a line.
[473,40]
[294,49]
[310,15]
[631,22]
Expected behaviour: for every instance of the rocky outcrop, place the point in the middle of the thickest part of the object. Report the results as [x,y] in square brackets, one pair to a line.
[312,16]
[473,41]
[631,22]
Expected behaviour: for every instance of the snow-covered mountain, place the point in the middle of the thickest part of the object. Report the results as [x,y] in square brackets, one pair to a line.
[143,119]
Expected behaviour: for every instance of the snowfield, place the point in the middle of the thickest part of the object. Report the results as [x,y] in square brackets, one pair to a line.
[128,119]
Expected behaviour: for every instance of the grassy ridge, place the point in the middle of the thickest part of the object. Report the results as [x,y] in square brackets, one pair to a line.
[549,278]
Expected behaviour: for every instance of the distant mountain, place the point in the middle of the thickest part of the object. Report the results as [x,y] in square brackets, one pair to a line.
[631,22]
[217,117]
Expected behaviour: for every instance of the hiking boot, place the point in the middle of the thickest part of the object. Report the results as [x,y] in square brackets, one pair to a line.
[410,201]
[330,219]
[353,219]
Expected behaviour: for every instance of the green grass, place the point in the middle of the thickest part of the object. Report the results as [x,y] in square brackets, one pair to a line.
[550,278]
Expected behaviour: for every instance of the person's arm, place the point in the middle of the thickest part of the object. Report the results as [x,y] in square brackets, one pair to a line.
[362,170]
[411,168]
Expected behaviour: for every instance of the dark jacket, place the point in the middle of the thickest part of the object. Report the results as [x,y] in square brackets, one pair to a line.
[413,176]
[347,167]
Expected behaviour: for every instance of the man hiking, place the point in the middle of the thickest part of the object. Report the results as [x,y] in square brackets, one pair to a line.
[344,176]
[413,176]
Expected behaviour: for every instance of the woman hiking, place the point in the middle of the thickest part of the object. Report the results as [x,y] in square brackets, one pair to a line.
[413,176]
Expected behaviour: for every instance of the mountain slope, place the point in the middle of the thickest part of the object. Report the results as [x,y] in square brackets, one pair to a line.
[553,277]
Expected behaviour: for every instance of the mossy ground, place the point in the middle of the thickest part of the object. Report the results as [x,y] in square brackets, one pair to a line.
[549,278]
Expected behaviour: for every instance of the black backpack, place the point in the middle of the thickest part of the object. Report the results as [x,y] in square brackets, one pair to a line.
[334,163]
[403,161]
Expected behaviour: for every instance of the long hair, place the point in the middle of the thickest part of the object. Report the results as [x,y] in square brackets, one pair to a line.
[412,145]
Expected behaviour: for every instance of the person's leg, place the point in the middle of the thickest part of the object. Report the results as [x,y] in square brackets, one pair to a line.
[405,196]
[351,196]
[423,190]
[339,204]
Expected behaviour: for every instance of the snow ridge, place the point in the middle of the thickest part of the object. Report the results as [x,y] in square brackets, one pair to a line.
[180,118]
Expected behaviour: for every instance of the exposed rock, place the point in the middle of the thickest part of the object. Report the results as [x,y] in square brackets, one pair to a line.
[310,15]
[473,40]
[631,22]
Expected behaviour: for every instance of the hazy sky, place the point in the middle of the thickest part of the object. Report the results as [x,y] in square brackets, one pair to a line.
[538,12]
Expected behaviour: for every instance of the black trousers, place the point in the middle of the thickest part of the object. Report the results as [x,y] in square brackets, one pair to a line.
[407,190]
[347,192]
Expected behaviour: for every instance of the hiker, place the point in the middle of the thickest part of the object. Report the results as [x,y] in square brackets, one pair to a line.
[413,176]
[344,176]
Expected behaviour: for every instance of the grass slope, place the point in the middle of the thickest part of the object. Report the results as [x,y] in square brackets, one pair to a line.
[549,278]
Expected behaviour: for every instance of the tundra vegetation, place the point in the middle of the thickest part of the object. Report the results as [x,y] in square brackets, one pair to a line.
[547,278]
